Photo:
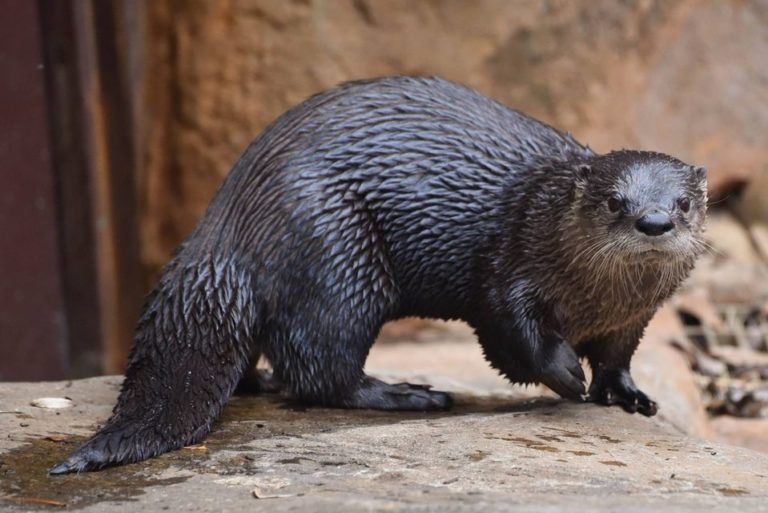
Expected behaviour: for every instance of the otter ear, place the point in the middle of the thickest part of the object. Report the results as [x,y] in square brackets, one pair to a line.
[581,173]
[700,172]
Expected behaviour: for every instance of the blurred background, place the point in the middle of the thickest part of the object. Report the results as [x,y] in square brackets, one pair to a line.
[120,118]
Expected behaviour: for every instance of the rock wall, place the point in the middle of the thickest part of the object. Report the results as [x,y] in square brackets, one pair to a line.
[685,77]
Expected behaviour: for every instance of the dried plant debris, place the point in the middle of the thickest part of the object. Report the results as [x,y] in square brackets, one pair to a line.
[727,396]
[742,326]
[730,353]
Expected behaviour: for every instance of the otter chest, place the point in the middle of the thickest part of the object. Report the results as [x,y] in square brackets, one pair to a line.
[586,313]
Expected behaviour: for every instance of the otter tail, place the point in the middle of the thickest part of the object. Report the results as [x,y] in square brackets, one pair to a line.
[192,345]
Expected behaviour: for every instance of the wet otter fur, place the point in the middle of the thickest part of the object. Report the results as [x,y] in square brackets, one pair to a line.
[406,197]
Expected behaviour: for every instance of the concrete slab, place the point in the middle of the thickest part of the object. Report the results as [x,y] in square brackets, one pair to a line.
[496,451]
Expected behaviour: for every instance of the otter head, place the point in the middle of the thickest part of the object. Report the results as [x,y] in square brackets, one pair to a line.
[641,205]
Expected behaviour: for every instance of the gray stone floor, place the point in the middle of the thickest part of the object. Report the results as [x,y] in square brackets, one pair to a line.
[498,450]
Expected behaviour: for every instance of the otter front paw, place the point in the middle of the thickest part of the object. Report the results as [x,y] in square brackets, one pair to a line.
[562,372]
[616,387]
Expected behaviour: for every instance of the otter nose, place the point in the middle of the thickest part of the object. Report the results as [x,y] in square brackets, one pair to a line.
[655,223]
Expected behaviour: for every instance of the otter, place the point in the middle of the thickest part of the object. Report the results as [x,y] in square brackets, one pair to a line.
[400,197]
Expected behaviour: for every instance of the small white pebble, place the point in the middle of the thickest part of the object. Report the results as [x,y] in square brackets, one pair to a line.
[53,403]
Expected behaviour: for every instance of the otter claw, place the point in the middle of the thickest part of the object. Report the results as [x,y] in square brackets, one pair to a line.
[617,388]
[563,373]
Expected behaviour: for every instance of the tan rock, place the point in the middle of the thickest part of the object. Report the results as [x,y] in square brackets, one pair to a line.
[759,233]
[750,433]
[731,280]
[753,204]
[729,237]
[681,77]
[493,454]
[665,374]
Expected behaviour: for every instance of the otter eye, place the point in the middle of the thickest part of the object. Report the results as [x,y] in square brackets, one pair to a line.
[684,204]
[615,204]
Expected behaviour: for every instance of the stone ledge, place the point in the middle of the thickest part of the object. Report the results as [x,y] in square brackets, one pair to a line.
[492,452]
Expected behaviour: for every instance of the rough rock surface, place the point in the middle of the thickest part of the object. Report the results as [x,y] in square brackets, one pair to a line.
[685,77]
[498,450]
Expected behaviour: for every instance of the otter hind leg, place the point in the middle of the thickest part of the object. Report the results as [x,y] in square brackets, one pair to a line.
[374,394]
[332,376]
[321,358]
[319,345]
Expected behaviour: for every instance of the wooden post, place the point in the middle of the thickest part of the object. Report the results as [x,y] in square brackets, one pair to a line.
[70,284]
[102,99]
[33,341]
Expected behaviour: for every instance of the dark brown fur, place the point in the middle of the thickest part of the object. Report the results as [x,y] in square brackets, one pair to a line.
[398,197]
